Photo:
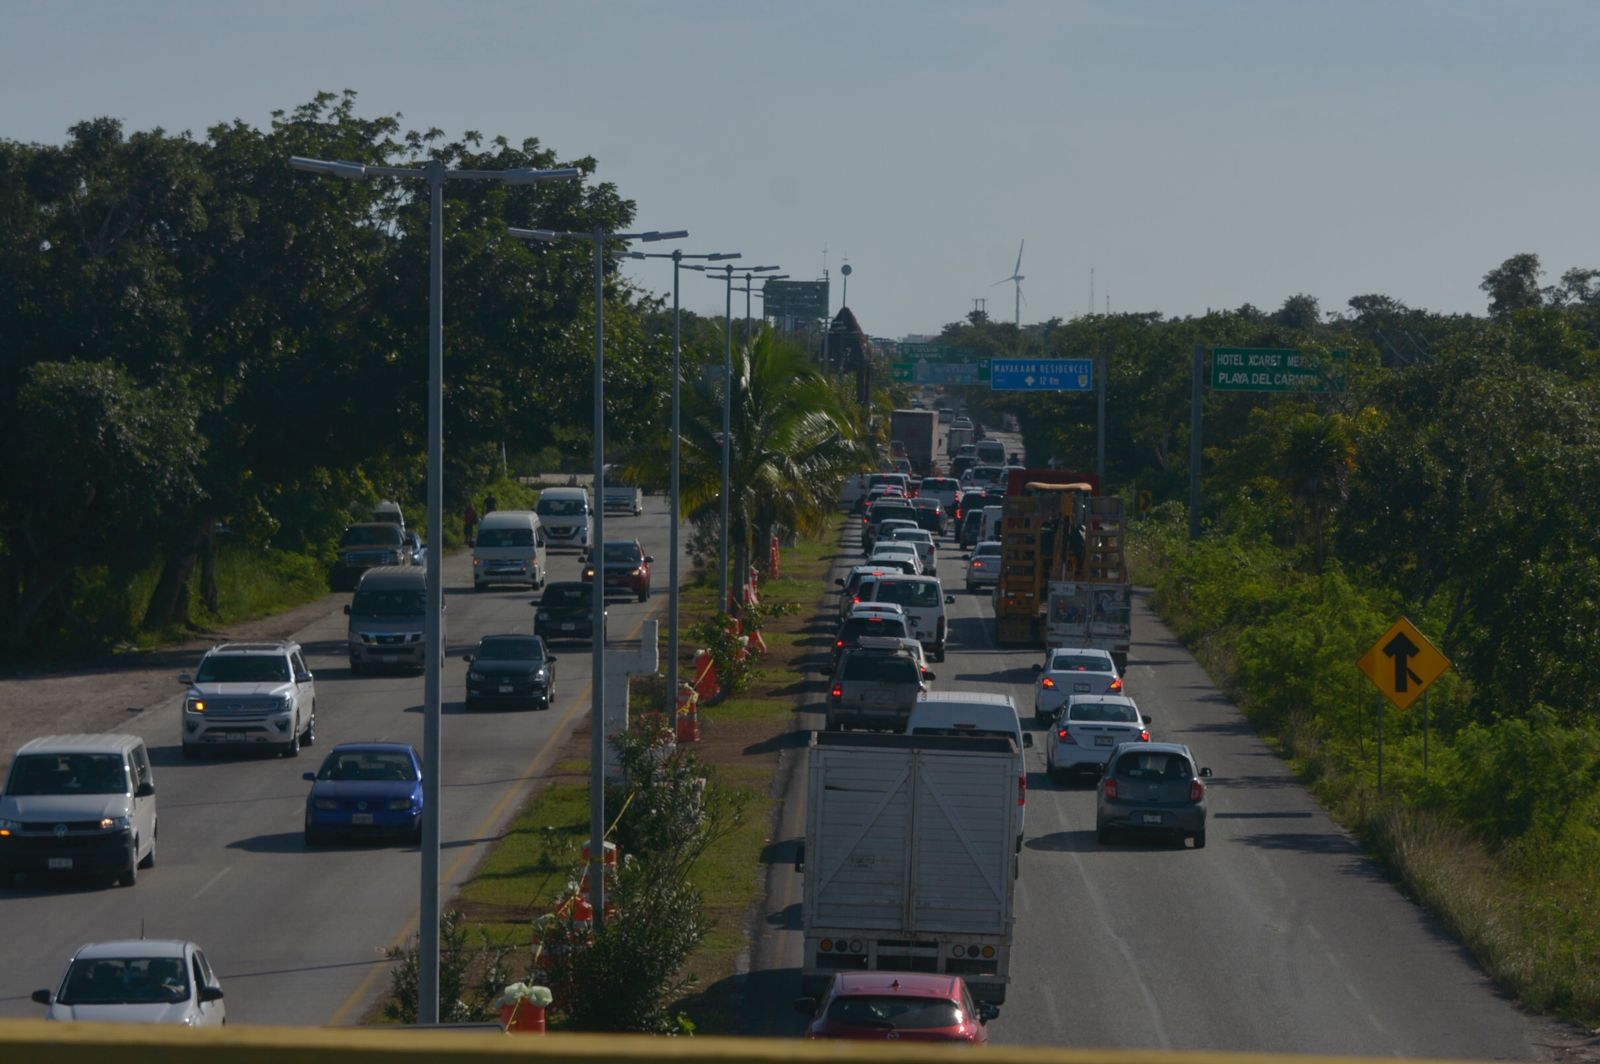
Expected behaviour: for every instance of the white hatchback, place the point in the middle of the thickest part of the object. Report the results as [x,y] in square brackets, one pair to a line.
[138,981]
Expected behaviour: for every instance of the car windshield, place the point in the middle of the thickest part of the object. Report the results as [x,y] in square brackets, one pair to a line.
[987,550]
[622,554]
[125,981]
[374,603]
[370,536]
[1079,663]
[879,668]
[1103,712]
[856,627]
[67,774]
[909,593]
[559,507]
[568,595]
[367,765]
[1153,766]
[243,668]
[521,648]
[505,537]
[894,1012]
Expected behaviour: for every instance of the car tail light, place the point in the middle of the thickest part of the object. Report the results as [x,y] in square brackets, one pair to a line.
[1116,685]
[837,692]
[1022,789]
[1065,736]
[1109,786]
[1197,790]
[838,644]
[1144,735]
[1047,683]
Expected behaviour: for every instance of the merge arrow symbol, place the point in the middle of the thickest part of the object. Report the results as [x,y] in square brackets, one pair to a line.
[1402,650]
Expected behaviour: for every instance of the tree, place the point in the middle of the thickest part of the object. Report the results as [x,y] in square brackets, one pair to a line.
[1299,312]
[1513,285]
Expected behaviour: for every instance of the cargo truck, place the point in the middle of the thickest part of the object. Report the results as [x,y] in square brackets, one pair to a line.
[958,438]
[915,430]
[1063,573]
[910,857]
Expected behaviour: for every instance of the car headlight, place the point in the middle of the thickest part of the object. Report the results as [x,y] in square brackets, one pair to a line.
[325,803]
[114,823]
[194,705]
[588,572]
[9,826]
[399,803]
[285,703]
[475,675]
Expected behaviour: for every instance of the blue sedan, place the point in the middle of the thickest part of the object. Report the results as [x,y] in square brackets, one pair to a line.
[365,789]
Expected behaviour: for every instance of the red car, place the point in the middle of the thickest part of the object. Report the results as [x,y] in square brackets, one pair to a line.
[626,567]
[898,1006]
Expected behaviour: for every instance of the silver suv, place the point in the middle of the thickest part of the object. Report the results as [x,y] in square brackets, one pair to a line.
[875,685]
[250,694]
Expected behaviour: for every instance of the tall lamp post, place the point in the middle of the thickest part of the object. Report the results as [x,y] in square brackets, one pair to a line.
[435,173]
[727,423]
[750,290]
[677,258]
[597,716]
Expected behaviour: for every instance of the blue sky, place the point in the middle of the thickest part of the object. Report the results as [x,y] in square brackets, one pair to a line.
[1193,155]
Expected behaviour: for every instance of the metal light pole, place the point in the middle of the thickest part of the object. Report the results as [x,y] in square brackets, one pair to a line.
[677,258]
[727,419]
[435,174]
[597,548]
[748,290]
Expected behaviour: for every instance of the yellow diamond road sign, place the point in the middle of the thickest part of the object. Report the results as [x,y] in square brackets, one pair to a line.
[1403,663]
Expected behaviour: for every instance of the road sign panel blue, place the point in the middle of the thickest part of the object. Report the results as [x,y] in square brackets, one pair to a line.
[1041,374]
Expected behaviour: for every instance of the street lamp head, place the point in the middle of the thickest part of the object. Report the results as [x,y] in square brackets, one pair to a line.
[349,171]
[676,234]
[538,234]
[718,256]
[528,175]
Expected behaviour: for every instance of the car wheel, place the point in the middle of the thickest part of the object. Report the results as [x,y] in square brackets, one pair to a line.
[130,875]
[644,593]
[938,653]
[313,838]
[356,668]
[292,747]
[835,725]
[1102,835]
[190,753]
[415,834]
[150,858]
[310,736]
[1200,840]
[1057,776]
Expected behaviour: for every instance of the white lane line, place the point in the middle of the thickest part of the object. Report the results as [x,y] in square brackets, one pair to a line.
[212,881]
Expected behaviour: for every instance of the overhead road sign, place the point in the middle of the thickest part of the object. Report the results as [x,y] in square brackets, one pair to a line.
[794,299]
[1041,374]
[1274,369]
[912,350]
[1402,663]
[923,372]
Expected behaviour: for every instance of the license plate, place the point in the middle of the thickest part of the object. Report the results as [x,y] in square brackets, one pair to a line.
[366,818]
[505,688]
[1080,686]
[60,864]
[569,627]
[233,737]
[1105,740]
[1150,818]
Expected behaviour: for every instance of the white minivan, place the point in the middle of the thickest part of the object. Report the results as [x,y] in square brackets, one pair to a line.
[923,599]
[567,515]
[976,713]
[509,549]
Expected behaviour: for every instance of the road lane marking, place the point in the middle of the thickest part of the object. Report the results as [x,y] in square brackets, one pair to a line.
[211,882]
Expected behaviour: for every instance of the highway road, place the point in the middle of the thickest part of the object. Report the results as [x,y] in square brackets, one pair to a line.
[297,936]
[1279,936]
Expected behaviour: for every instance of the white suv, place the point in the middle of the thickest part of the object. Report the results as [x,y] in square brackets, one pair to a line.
[250,694]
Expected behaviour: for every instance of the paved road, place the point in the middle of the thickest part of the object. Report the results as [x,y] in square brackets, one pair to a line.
[297,935]
[1280,936]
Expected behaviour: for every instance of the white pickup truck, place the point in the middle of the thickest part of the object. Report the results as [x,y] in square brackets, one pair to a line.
[910,858]
[616,496]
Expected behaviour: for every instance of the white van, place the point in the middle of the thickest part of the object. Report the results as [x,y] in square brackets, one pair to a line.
[567,515]
[924,601]
[976,713]
[79,804]
[993,516]
[509,549]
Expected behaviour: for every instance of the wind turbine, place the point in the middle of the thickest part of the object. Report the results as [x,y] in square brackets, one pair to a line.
[1016,278]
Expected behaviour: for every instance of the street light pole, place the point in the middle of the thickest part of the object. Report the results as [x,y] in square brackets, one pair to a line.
[727,419]
[675,504]
[435,174]
[597,548]
[749,290]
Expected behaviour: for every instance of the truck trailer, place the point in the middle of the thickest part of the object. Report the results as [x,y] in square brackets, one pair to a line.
[910,857]
[916,431]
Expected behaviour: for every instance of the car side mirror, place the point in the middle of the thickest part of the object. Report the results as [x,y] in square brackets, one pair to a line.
[800,856]
[312,776]
[649,558]
[987,1011]
[839,581]
[1145,718]
[805,1006]
[926,675]
[552,659]
[145,790]
[211,993]
[467,658]
[1027,738]
[1206,773]
[347,611]
[1037,667]
[42,996]
[184,677]
[950,600]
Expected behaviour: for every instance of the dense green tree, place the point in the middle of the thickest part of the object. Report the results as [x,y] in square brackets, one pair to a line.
[1513,285]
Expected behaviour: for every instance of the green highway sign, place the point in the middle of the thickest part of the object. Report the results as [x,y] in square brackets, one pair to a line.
[916,350]
[925,372]
[1272,369]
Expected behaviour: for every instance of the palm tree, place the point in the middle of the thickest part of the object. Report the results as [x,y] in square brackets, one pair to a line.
[793,441]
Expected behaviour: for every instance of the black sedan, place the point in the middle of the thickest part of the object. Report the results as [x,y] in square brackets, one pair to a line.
[511,670]
[566,611]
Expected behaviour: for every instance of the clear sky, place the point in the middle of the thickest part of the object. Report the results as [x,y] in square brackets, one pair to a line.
[1193,154]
